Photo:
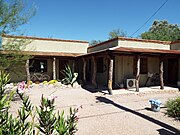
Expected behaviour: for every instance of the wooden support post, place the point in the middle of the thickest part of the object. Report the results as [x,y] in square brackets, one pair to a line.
[84,70]
[94,72]
[161,72]
[27,71]
[54,68]
[137,73]
[110,80]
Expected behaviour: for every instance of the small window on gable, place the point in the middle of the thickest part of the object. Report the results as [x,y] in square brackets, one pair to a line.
[100,65]
[37,65]
[143,66]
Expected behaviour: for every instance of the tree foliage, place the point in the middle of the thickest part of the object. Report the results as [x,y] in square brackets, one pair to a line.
[113,34]
[94,42]
[162,30]
[117,33]
[13,14]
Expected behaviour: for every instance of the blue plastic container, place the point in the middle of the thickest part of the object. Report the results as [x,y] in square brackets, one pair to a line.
[155,105]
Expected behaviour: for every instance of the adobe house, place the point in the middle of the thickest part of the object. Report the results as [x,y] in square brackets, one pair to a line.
[111,63]
[51,54]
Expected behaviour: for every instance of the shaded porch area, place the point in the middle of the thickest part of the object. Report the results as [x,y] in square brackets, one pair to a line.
[124,91]
[51,64]
[112,68]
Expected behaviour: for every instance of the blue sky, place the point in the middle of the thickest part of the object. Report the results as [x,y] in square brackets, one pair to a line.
[94,19]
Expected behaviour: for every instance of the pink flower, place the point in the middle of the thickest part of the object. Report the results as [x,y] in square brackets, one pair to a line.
[51,97]
[77,116]
[21,87]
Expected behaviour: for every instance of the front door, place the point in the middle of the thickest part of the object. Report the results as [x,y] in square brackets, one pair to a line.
[172,71]
[62,64]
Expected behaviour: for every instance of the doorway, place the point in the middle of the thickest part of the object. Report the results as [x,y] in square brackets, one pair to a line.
[172,71]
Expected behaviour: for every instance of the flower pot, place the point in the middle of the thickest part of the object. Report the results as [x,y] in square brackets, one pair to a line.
[155,108]
[155,105]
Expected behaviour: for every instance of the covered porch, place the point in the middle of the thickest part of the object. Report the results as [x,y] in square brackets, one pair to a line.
[46,63]
[111,68]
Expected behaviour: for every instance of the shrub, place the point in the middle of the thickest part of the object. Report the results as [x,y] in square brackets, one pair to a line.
[24,123]
[45,82]
[173,108]
[52,81]
[69,76]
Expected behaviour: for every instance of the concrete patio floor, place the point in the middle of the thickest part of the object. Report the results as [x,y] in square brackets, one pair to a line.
[152,89]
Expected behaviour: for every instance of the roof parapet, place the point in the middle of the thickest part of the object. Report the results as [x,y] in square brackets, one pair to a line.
[47,39]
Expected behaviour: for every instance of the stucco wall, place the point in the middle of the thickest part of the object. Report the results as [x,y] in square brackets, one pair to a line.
[135,44]
[103,46]
[124,69]
[57,46]
[128,43]
[175,46]
[54,46]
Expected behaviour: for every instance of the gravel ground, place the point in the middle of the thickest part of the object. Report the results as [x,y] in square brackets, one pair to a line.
[121,114]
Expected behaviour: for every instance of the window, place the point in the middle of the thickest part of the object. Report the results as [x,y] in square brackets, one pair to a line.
[143,66]
[38,65]
[100,65]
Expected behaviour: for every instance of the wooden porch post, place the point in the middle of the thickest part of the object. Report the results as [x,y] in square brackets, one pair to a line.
[27,71]
[161,72]
[110,80]
[94,72]
[54,68]
[137,73]
[84,70]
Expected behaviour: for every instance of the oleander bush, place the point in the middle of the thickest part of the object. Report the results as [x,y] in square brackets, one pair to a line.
[173,108]
[48,123]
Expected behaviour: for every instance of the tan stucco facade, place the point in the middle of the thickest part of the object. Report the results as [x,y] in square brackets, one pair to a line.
[57,46]
[175,46]
[131,44]
[45,45]
[136,44]
[103,46]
